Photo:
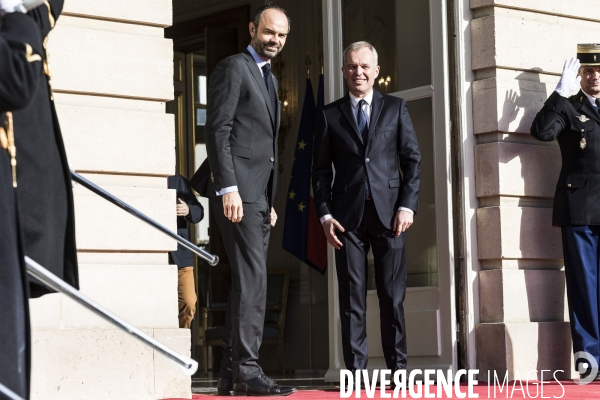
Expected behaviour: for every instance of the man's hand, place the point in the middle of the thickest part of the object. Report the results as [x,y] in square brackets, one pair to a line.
[569,80]
[273,217]
[402,222]
[330,226]
[232,206]
[182,209]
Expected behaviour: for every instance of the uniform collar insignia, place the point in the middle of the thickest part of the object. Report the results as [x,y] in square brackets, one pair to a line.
[583,118]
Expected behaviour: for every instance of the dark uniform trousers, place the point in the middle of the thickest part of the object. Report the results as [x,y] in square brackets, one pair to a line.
[14,307]
[582,265]
[575,123]
[246,244]
[390,279]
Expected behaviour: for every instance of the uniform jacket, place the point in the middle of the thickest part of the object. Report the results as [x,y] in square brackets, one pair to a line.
[45,195]
[241,131]
[20,72]
[183,257]
[392,146]
[577,196]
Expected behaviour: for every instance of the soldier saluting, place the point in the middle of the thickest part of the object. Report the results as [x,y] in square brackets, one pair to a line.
[575,122]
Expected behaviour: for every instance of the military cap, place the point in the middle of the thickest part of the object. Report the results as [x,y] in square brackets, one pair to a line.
[588,54]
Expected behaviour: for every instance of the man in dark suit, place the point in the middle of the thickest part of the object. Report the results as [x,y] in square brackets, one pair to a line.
[20,70]
[243,115]
[367,137]
[575,122]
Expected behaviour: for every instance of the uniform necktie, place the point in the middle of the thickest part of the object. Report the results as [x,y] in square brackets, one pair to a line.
[598,105]
[363,128]
[270,86]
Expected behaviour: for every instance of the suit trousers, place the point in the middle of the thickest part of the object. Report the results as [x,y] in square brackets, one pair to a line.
[246,244]
[582,269]
[390,278]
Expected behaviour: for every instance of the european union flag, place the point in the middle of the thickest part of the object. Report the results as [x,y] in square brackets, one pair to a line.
[303,234]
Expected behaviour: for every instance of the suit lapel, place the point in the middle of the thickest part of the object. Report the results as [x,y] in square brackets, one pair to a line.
[375,111]
[255,71]
[347,110]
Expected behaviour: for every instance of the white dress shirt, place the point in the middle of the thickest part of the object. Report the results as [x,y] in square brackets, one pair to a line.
[367,107]
[260,62]
[592,99]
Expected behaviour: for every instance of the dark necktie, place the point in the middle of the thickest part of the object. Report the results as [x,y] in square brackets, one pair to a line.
[270,86]
[363,128]
[598,105]
[361,120]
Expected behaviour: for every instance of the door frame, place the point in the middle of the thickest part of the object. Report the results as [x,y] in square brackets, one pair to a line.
[442,296]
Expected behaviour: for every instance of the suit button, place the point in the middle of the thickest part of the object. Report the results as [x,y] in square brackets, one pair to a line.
[272,159]
[569,185]
[366,160]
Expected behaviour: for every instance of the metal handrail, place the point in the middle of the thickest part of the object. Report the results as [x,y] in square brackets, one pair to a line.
[34,269]
[210,258]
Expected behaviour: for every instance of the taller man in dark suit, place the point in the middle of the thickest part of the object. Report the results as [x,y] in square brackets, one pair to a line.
[575,122]
[369,139]
[241,134]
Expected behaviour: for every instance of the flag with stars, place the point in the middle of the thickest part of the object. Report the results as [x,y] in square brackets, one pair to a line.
[303,235]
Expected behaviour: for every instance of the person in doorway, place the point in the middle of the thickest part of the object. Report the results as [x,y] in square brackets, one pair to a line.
[369,139]
[189,210]
[575,122]
[243,115]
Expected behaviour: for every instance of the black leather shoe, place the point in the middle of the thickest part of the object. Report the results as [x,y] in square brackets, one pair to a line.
[262,385]
[224,387]
[355,384]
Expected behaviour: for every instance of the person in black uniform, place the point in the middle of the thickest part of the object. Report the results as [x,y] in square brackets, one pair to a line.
[575,122]
[45,197]
[188,210]
[20,69]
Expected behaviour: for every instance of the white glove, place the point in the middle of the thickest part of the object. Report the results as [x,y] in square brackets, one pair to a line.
[569,81]
[10,6]
[31,4]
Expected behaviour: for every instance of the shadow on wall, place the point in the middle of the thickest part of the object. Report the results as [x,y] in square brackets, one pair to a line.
[539,242]
[522,106]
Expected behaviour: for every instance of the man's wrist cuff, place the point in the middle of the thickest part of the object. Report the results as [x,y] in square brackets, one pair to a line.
[325,218]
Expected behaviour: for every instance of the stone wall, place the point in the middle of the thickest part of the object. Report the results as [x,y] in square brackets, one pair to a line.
[518,50]
[112,73]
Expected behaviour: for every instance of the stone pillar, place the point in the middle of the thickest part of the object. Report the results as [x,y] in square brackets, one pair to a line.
[112,73]
[518,51]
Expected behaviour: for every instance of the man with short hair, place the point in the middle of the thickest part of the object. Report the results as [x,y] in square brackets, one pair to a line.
[369,139]
[575,122]
[243,114]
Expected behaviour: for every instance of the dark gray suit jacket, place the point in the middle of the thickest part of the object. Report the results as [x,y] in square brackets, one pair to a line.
[392,147]
[241,132]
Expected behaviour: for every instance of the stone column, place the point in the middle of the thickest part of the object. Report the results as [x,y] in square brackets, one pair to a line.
[518,51]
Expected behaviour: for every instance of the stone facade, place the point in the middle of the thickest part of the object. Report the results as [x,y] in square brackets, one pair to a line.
[518,50]
[112,74]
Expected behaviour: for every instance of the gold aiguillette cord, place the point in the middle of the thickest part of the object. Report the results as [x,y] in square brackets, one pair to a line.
[12,149]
